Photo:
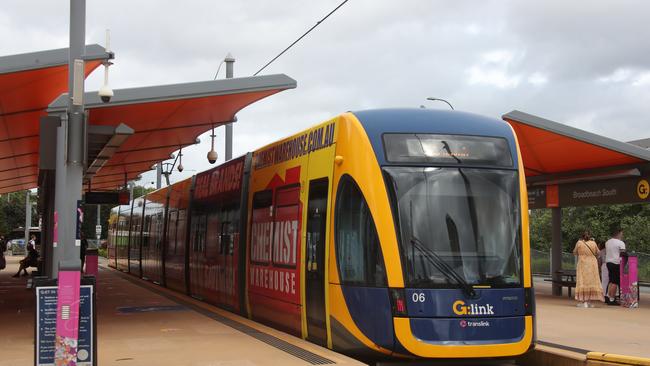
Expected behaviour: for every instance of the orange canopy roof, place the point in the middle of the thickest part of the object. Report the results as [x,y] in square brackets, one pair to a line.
[28,83]
[551,149]
[168,117]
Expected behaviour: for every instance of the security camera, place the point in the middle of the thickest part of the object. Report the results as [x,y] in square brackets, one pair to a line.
[212,156]
[105,93]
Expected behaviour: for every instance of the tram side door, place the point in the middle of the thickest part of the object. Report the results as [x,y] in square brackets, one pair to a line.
[315,261]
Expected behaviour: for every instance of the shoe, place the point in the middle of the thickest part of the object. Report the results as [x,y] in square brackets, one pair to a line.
[590,305]
[16,276]
[581,305]
[614,303]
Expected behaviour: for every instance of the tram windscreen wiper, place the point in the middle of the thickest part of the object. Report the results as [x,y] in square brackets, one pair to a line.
[443,267]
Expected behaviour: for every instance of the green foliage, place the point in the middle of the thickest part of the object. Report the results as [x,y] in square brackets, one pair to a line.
[634,219]
[90,220]
[90,214]
[12,211]
[139,191]
[540,229]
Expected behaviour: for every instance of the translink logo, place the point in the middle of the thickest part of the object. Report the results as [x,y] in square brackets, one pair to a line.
[460,308]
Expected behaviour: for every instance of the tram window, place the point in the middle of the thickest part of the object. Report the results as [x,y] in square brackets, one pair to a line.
[263,199]
[358,252]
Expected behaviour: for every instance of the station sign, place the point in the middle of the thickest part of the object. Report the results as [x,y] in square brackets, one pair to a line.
[604,192]
[45,332]
[107,198]
[537,197]
[608,192]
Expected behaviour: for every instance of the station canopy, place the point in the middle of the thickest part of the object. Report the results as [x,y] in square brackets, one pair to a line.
[164,119]
[555,153]
[28,84]
[136,129]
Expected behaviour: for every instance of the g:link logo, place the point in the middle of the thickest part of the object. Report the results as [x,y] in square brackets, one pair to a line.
[643,189]
[460,308]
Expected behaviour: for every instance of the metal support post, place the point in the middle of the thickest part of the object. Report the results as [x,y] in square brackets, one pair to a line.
[230,63]
[556,250]
[159,175]
[28,216]
[71,141]
[99,224]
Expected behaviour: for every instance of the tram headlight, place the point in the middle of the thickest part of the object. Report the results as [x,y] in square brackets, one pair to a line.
[398,302]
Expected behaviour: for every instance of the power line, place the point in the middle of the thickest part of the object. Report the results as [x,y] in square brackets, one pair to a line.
[219,68]
[301,37]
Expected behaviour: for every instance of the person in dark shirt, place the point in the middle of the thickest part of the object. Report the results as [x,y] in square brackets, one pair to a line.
[3,249]
[82,250]
[31,260]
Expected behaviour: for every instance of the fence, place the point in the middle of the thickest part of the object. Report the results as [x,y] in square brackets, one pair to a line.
[541,263]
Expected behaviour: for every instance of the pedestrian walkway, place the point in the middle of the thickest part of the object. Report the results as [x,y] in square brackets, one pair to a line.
[143,324]
[609,329]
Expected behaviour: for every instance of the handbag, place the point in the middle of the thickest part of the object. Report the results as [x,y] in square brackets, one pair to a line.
[588,247]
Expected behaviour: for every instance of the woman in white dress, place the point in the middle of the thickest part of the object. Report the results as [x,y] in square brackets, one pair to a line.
[604,273]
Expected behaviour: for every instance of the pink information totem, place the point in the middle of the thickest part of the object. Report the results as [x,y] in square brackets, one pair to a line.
[629,282]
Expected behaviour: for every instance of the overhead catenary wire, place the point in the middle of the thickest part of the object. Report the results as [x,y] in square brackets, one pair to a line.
[219,68]
[301,37]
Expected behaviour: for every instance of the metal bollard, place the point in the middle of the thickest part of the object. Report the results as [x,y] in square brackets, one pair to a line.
[92,264]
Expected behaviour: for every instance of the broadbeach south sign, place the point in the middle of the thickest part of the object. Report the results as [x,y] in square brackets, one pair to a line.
[607,192]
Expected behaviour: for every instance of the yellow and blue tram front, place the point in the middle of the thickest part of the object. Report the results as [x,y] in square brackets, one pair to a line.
[431,237]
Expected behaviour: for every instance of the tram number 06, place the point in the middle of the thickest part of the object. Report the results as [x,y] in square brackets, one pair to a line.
[418,297]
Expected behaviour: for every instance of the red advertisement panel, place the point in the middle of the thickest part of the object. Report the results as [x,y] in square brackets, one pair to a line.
[261,234]
[275,248]
[285,241]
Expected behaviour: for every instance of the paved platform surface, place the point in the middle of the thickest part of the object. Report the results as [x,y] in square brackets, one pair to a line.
[609,329]
[187,333]
[190,332]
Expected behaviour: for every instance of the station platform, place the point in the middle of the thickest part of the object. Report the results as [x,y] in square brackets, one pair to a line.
[607,329]
[140,323]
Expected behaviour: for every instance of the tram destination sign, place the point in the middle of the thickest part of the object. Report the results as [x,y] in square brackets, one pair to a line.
[605,192]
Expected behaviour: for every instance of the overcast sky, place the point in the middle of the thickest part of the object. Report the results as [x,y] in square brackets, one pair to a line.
[582,63]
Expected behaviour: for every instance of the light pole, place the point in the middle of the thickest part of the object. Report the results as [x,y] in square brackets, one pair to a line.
[69,172]
[230,62]
[441,100]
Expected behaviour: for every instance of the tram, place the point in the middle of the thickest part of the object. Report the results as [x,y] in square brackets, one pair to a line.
[390,233]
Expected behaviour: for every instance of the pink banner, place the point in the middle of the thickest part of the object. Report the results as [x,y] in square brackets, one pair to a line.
[55,234]
[629,282]
[67,319]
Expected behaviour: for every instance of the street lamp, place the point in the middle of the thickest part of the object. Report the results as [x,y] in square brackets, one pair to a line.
[442,100]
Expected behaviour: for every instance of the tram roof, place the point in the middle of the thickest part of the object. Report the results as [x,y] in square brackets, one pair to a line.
[552,151]
[28,83]
[377,122]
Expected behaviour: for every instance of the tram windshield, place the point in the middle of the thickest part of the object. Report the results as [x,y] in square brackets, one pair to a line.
[458,227]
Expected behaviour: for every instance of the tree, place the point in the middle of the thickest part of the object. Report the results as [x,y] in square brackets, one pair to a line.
[634,219]
[90,214]
[12,211]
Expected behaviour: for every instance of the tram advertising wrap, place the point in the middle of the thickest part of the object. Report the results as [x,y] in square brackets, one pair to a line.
[382,234]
